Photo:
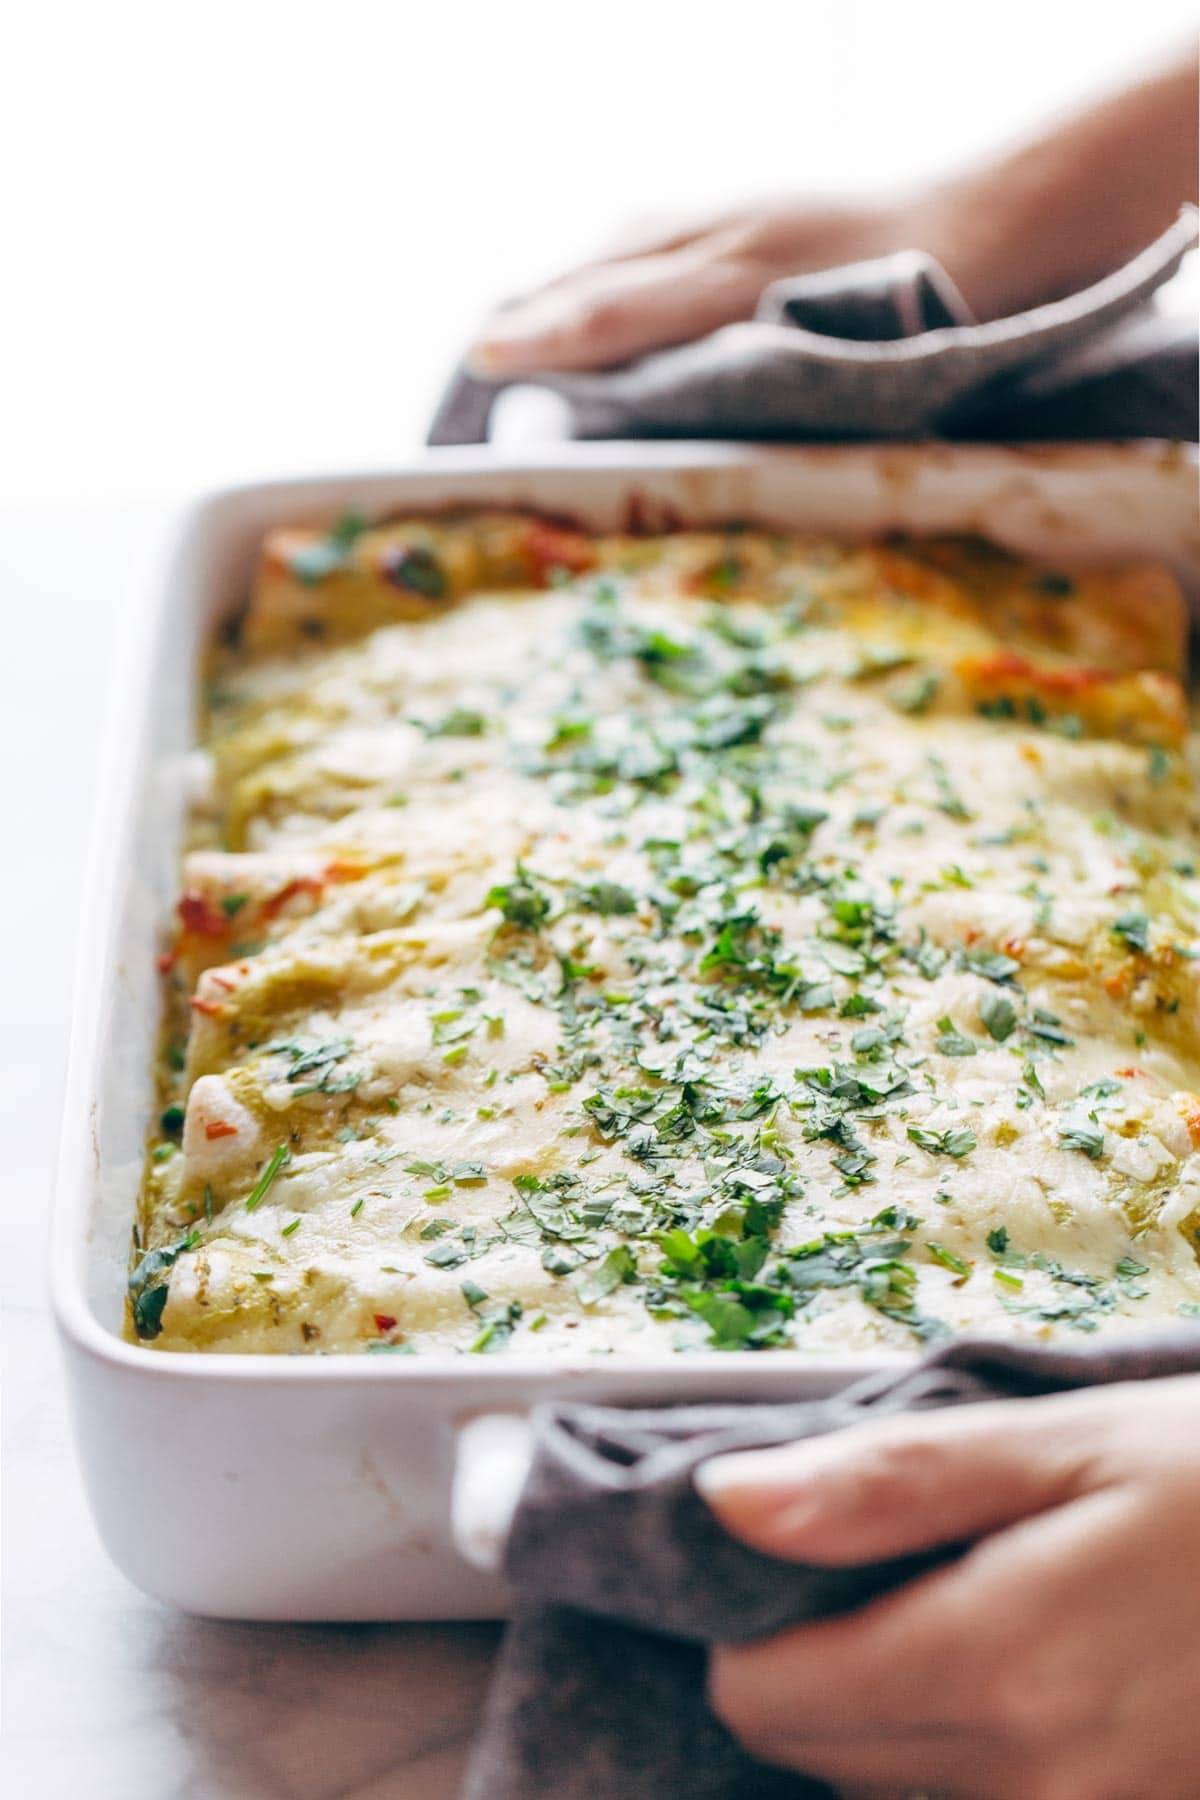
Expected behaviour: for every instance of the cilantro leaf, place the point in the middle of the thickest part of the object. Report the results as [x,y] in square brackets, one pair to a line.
[948,1258]
[520,902]
[460,721]
[993,965]
[955,1142]
[148,1284]
[951,1041]
[279,1156]
[607,897]
[998,1016]
[1083,1137]
[617,1267]
[1133,928]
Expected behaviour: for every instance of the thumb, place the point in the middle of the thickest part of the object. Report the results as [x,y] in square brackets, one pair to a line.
[902,1485]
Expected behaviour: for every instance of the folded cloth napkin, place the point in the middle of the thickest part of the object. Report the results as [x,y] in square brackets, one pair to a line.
[889,349]
[622,1576]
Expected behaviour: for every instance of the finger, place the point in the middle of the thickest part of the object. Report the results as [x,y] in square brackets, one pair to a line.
[647,235]
[955,1770]
[956,1763]
[886,1489]
[607,315]
[1007,1642]
[896,1667]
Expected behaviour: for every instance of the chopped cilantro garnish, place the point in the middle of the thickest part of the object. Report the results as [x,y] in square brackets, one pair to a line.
[521,903]
[857,1006]
[618,1266]
[415,568]
[324,556]
[446,1256]
[998,1016]
[607,897]
[1133,928]
[930,959]
[314,1066]
[460,721]
[1048,1027]
[148,1284]
[993,965]
[916,696]
[279,1156]
[948,799]
[947,1258]
[951,1041]
[957,1142]
[497,1327]
[1083,1137]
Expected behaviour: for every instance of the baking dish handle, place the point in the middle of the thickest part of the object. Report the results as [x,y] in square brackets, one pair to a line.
[463,415]
[491,1461]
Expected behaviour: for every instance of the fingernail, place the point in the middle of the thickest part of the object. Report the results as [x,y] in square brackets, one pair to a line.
[521,337]
[718,1476]
[494,356]
[507,344]
[763,1497]
[758,1476]
[745,1470]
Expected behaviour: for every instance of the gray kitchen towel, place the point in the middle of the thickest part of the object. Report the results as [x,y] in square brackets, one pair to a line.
[622,1577]
[889,349]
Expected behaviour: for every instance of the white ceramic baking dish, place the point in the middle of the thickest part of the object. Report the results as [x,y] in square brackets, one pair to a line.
[318,1488]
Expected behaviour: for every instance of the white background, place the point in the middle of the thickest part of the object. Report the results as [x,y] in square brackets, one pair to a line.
[249,237]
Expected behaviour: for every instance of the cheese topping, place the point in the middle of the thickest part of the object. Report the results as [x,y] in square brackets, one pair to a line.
[716,940]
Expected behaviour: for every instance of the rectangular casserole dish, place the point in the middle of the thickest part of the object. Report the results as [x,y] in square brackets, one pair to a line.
[318,1488]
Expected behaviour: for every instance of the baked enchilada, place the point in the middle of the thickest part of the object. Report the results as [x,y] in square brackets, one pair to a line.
[700,941]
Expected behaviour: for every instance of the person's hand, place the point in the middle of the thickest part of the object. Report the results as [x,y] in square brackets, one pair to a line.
[1057,1659]
[668,286]
[1057,212]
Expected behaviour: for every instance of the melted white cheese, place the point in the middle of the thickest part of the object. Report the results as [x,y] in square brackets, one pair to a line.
[895,986]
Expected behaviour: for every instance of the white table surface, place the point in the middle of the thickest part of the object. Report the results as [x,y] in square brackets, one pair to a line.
[108,1695]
